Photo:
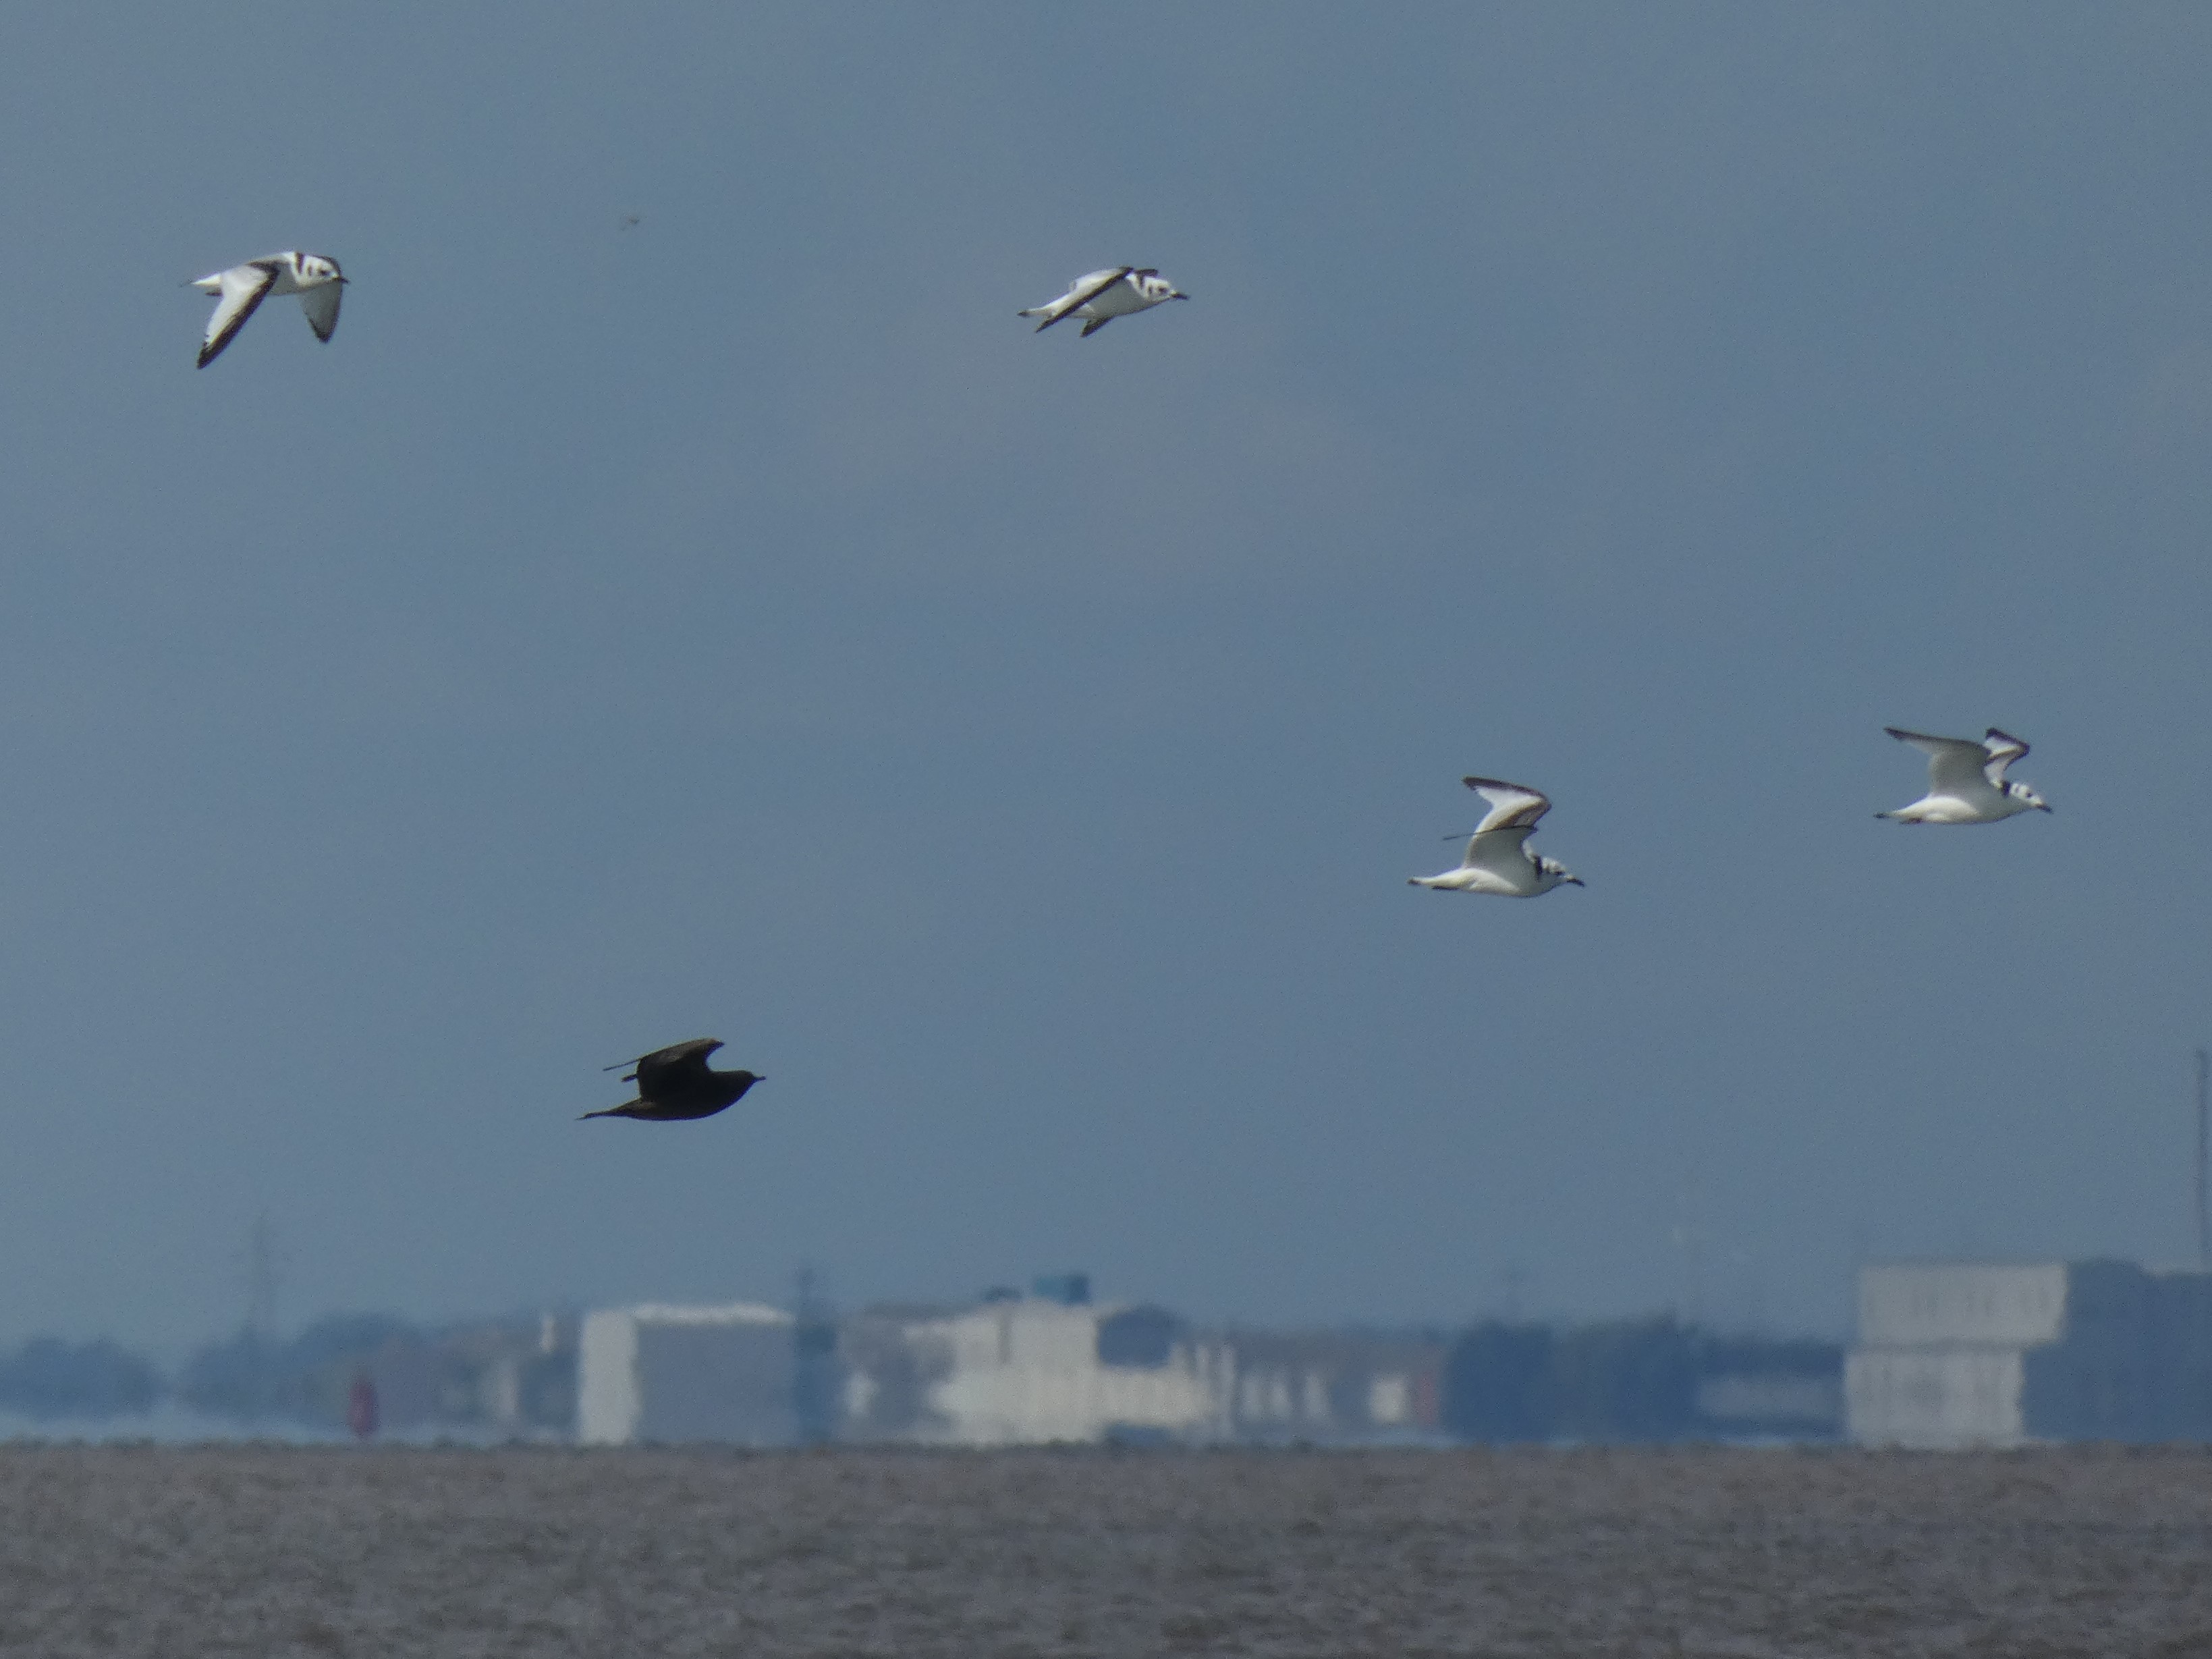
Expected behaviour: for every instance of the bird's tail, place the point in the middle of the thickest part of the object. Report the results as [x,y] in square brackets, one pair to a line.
[611,1111]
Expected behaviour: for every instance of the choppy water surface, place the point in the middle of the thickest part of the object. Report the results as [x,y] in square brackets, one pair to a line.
[318,1551]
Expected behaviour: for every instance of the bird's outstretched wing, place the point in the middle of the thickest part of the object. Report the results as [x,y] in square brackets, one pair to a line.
[1999,750]
[675,1051]
[243,287]
[1511,804]
[1080,293]
[663,1066]
[322,307]
[1498,850]
[1954,764]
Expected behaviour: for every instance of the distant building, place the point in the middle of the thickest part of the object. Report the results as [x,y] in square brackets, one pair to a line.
[661,1373]
[1051,1366]
[1333,1387]
[1980,1354]
[1032,1371]
[1638,1381]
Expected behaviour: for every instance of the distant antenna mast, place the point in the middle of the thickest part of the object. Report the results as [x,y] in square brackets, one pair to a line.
[261,1272]
[2204,1146]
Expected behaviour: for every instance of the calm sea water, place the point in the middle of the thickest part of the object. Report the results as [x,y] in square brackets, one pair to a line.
[168,1553]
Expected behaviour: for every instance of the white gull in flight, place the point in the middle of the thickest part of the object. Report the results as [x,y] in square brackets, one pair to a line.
[1102,296]
[1967,780]
[1498,859]
[315,279]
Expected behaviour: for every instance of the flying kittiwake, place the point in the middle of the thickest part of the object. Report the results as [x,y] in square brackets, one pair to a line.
[316,280]
[1102,296]
[1497,859]
[1967,780]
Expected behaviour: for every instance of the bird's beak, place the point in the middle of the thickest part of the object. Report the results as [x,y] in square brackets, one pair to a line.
[1577,881]
[2042,806]
[1178,294]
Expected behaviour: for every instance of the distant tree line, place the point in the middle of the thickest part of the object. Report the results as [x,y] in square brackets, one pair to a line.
[245,1377]
[50,1379]
[304,1380]
[1629,1381]
[439,1376]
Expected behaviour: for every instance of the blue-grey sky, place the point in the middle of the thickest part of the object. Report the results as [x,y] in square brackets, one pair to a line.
[1016,746]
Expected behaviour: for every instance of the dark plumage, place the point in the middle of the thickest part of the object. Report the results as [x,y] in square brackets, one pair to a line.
[675,1083]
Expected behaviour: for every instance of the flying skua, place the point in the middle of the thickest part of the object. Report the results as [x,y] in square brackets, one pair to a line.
[675,1083]
[1102,296]
[1967,780]
[1498,859]
[241,290]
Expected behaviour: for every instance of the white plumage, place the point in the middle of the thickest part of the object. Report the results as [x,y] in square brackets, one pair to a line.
[1497,859]
[1967,780]
[242,290]
[1101,296]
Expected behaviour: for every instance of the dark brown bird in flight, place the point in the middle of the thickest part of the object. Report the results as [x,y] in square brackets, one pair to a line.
[675,1083]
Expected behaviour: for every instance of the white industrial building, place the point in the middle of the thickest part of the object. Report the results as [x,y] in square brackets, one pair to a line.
[1032,1371]
[662,1373]
[1980,1354]
[1050,1367]
[1335,1388]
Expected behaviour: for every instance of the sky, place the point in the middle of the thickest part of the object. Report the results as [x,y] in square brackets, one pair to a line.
[741,624]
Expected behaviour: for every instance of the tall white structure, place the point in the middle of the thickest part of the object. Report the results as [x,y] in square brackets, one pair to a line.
[1982,1354]
[1942,1360]
[661,1373]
